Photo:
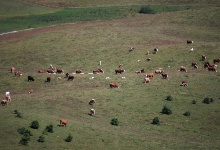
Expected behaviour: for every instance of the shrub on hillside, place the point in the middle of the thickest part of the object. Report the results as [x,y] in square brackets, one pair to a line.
[24,132]
[69,138]
[193,101]
[169,98]
[166,110]
[115,122]
[147,10]
[41,139]
[187,113]
[18,114]
[34,124]
[156,121]
[208,100]
[24,140]
[49,128]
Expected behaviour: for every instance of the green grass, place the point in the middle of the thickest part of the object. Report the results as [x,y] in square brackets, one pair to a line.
[134,104]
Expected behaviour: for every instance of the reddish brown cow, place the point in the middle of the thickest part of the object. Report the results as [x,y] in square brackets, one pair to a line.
[4,102]
[63,122]
[92,101]
[48,79]
[194,64]
[150,75]
[203,57]
[98,71]
[50,71]
[30,91]
[216,60]
[59,70]
[164,75]
[184,83]
[18,73]
[13,70]
[212,69]
[115,85]
[206,64]
[70,77]
[189,41]
[119,71]
[183,69]
[79,71]
[141,71]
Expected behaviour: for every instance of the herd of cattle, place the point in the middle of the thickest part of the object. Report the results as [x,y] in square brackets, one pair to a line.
[147,78]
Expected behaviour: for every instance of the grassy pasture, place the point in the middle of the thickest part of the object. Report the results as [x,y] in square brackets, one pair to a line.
[134,104]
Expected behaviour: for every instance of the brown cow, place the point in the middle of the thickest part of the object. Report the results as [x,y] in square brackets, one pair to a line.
[70,77]
[48,79]
[216,60]
[4,102]
[50,71]
[30,91]
[150,75]
[212,69]
[189,41]
[146,80]
[194,64]
[159,71]
[18,73]
[120,65]
[92,101]
[184,83]
[206,64]
[98,71]
[183,69]
[203,57]
[12,69]
[119,71]
[92,112]
[164,75]
[59,70]
[141,71]
[63,122]
[79,71]
[115,85]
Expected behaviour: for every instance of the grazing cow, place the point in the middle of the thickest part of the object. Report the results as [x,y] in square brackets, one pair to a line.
[98,71]
[203,57]
[48,79]
[70,77]
[30,91]
[4,102]
[206,64]
[216,60]
[184,83]
[50,71]
[120,65]
[194,64]
[146,80]
[115,85]
[79,71]
[40,71]
[148,59]
[92,112]
[30,78]
[59,70]
[183,69]
[150,75]
[156,50]
[159,71]
[119,71]
[189,41]
[131,49]
[212,69]
[18,73]
[12,69]
[7,95]
[63,122]
[191,50]
[164,75]
[141,71]
[92,101]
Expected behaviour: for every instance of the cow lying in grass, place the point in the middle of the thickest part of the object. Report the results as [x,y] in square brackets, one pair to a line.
[146,80]
[113,85]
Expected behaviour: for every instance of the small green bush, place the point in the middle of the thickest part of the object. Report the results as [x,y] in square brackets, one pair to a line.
[34,124]
[41,139]
[18,114]
[115,122]
[49,128]
[156,121]
[208,100]
[147,10]
[166,110]
[169,98]
[24,140]
[69,138]
[21,130]
[194,101]
[187,113]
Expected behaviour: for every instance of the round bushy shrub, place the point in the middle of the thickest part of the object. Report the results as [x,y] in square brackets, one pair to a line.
[208,100]
[41,139]
[166,110]
[24,140]
[115,122]
[193,101]
[69,138]
[49,128]
[34,124]
[169,98]
[156,121]
[147,10]
[187,113]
